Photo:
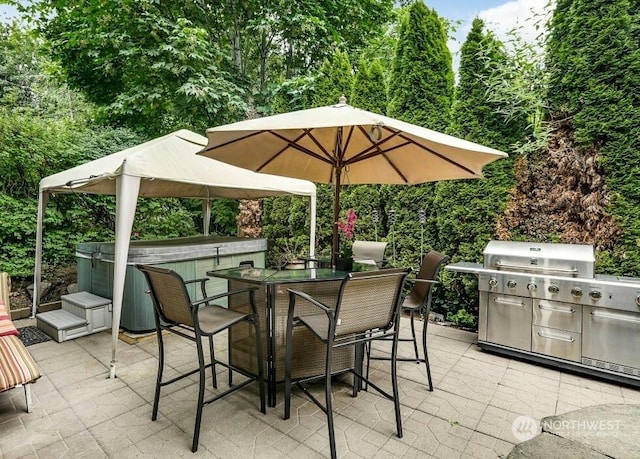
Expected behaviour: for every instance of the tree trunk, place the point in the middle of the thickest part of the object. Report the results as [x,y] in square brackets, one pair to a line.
[249,218]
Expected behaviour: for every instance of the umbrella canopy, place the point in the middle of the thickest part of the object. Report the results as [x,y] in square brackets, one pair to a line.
[341,144]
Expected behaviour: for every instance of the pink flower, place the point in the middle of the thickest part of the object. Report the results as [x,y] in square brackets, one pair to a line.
[348,227]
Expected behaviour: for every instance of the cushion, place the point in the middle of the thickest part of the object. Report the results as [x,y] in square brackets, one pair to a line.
[367,251]
[16,364]
[6,325]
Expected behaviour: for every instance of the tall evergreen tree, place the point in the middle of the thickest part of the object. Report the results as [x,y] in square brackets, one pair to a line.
[370,89]
[421,85]
[335,79]
[558,52]
[594,66]
[420,92]
[467,210]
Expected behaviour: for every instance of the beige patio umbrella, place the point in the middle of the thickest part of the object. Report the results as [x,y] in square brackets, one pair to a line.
[339,144]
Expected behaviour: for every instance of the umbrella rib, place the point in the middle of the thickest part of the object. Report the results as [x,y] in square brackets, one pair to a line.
[375,150]
[368,153]
[293,144]
[290,143]
[346,143]
[327,158]
[344,164]
[231,142]
[450,161]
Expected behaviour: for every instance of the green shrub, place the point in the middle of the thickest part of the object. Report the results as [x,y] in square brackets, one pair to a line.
[463,319]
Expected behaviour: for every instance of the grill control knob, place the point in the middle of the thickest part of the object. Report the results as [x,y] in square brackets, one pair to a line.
[638,300]
[553,288]
[595,294]
[511,283]
[576,291]
[493,282]
[532,287]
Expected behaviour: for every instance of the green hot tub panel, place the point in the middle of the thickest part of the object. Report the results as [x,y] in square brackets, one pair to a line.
[191,257]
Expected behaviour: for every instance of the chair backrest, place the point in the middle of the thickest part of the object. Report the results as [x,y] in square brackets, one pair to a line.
[369,300]
[432,263]
[168,294]
[369,250]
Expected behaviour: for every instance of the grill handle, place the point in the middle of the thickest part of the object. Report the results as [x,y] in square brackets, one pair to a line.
[613,316]
[499,300]
[558,336]
[536,269]
[545,307]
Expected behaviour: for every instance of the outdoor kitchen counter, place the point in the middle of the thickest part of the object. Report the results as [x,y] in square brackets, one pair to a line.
[543,302]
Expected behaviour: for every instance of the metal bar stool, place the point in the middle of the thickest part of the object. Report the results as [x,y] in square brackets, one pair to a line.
[194,320]
[366,308]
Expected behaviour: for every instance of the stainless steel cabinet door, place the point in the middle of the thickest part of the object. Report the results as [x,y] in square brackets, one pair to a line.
[611,336]
[554,314]
[556,343]
[509,321]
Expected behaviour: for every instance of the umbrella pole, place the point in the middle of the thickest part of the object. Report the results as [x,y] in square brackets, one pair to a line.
[336,216]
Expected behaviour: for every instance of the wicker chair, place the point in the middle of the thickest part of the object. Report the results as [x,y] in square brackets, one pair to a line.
[366,308]
[418,303]
[175,312]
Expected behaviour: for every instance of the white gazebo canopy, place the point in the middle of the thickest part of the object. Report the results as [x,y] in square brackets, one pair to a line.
[164,167]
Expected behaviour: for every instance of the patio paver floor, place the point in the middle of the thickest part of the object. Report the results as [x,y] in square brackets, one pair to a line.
[78,412]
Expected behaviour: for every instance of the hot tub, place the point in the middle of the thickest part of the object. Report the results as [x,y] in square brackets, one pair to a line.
[191,257]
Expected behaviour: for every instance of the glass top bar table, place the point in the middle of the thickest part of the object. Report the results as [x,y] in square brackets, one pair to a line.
[272,301]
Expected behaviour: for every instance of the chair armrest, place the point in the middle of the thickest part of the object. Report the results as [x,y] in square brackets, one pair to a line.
[203,281]
[222,295]
[309,298]
[292,304]
[252,299]
[422,281]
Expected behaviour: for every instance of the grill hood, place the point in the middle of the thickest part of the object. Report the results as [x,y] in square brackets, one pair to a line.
[572,260]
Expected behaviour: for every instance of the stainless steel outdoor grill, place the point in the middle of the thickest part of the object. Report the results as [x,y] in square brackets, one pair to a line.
[543,302]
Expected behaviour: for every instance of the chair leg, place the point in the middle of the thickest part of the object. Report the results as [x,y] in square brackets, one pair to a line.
[213,365]
[230,374]
[426,355]
[196,429]
[394,381]
[156,397]
[367,348]
[413,334]
[359,359]
[256,325]
[328,402]
[287,368]
[27,396]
